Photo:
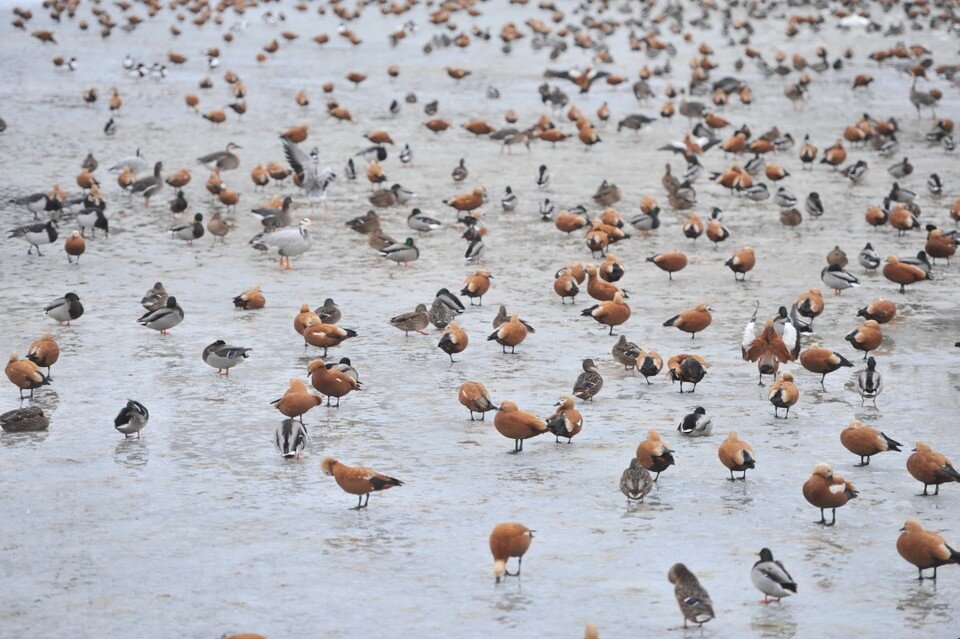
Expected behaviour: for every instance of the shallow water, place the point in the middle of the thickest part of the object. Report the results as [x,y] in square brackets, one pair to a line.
[200,528]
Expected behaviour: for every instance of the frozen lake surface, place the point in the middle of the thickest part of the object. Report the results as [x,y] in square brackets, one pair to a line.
[200,528]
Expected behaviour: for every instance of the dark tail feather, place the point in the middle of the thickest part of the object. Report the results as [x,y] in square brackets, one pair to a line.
[670,321]
[667,456]
[589,311]
[748,460]
[951,471]
[891,444]
[556,425]
[954,555]
[493,335]
[379,483]
[844,361]
[350,333]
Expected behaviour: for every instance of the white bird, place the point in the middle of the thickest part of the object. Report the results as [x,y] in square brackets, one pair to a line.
[289,242]
[136,163]
[223,357]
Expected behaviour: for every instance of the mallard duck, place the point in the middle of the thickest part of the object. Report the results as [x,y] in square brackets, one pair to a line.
[589,382]
[694,602]
[635,482]
[357,481]
[626,353]
[131,419]
[65,309]
[223,357]
[24,420]
[416,320]
[155,298]
[870,382]
[838,279]
[771,577]
[164,318]
[401,253]
[290,438]
[329,313]
[423,223]
[696,424]
[508,540]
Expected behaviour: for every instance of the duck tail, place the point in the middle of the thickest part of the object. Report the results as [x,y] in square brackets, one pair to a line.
[493,335]
[748,460]
[667,456]
[555,424]
[589,311]
[891,444]
[951,471]
[350,332]
[844,361]
[670,321]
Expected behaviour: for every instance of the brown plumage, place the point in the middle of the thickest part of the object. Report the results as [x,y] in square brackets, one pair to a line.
[736,455]
[566,421]
[475,397]
[902,273]
[44,352]
[508,540]
[74,246]
[297,400]
[518,425]
[825,490]
[866,338]
[454,340]
[881,311]
[510,333]
[669,262]
[693,320]
[24,374]
[866,442]
[925,549]
[565,285]
[251,300]
[468,201]
[783,394]
[303,318]
[654,455]
[358,480]
[768,350]
[325,335]
[476,286]
[742,262]
[817,359]
[931,468]
[330,381]
[609,313]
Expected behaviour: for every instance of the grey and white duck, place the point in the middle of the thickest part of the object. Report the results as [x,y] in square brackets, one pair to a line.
[149,185]
[870,382]
[696,424]
[225,160]
[164,318]
[65,309]
[291,438]
[771,578]
[131,419]
[223,356]
[423,223]
[189,231]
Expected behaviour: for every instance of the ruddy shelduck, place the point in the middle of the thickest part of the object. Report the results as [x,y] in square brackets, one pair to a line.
[826,490]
